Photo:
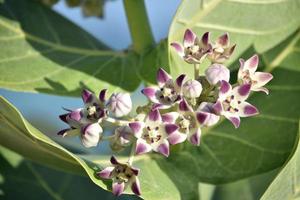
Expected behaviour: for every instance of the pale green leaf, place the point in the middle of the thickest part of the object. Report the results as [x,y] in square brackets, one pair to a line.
[42,51]
[286,185]
[259,23]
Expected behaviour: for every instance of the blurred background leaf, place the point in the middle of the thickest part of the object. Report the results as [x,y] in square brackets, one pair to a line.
[287,184]
[42,51]
[261,24]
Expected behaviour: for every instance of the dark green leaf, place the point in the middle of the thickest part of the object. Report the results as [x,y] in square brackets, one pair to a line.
[42,51]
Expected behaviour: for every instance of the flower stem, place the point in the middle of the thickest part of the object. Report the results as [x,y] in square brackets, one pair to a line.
[139,26]
[196,71]
[132,153]
[116,122]
[107,137]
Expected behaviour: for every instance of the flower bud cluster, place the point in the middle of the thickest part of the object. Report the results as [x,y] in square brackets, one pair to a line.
[177,111]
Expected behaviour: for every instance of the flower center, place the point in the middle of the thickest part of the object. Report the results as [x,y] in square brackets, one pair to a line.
[168,94]
[185,123]
[151,135]
[231,104]
[94,112]
[123,173]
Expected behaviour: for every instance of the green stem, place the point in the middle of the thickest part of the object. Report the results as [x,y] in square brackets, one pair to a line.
[196,71]
[132,153]
[139,26]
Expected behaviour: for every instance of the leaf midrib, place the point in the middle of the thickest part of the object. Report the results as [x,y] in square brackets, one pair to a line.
[60,47]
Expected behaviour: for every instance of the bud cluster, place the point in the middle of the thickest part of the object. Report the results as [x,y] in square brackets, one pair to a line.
[178,111]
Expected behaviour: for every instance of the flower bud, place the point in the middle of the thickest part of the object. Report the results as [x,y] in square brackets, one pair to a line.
[121,139]
[216,73]
[192,89]
[90,134]
[119,104]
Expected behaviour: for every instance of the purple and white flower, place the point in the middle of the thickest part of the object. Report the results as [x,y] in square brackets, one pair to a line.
[119,104]
[167,93]
[247,75]
[122,175]
[193,50]
[216,73]
[122,138]
[221,49]
[189,122]
[152,133]
[84,122]
[232,103]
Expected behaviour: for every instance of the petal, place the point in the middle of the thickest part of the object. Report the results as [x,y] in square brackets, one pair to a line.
[162,77]
[252,63]
[63,117]
[223,40]
[179,80]
[135,171]
[170,117]
[194,138]
[113,160]
[171,128]
[262,79]
[159,106]
[242,92]
[87,96]
[142,147]
[246,110]
[235,120]
[225,88]
[184,106]
[177,137]
[217,107]
[106,172]
[135,186]
[261,89]
[164,148]
[205,38]
[63,132]
[76,115]
[179,48]
[201,117]
[136,128]
[154,116]
[150,93]
[189,38]
[102,95]
[118,188]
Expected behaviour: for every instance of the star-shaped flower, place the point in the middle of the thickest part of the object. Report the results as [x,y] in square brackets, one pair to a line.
[193,50]
[221,49]
[122,175]
[247,75]
[232,103]
[168,91]
[152,133]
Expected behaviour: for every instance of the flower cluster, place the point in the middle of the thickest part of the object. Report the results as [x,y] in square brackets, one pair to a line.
[177,111]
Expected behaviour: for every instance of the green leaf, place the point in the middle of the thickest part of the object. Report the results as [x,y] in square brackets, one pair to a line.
[19,135]
[258,23]
[28,180]
[287,184]
[43,52]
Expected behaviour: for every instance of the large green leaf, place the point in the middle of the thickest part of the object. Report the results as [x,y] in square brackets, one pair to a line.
[17,134]
[259,23]
[42,51]
[23,179]
[287,184]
